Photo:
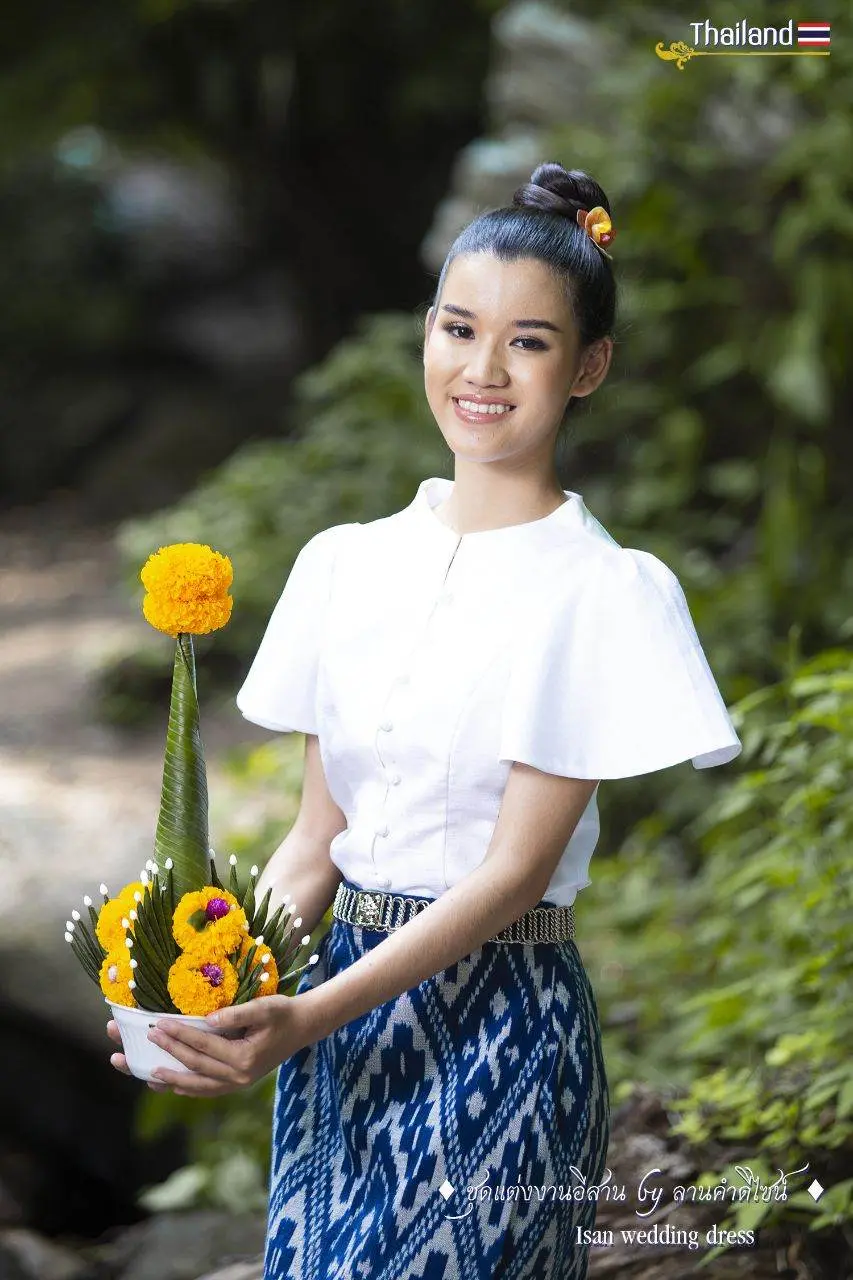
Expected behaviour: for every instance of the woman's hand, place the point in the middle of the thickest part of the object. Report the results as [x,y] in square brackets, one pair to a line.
[273,1029]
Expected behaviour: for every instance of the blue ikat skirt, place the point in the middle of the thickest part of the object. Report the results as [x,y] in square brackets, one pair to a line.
[448,1134]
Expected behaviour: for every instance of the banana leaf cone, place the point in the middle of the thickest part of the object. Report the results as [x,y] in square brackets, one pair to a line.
[182,824]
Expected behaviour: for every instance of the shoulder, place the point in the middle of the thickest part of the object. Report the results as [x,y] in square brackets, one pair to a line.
[322,549]
[608,585]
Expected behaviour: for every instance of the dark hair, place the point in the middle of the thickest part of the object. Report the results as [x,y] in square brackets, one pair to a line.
[542,224]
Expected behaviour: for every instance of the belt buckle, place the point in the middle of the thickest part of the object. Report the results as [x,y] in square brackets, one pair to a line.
[368,908]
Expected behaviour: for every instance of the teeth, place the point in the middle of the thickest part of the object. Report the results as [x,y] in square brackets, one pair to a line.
[471,406]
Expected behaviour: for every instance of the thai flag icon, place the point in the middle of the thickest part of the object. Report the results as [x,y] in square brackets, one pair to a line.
[814,34]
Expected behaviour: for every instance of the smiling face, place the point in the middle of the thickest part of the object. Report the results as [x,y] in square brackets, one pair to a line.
[502,358]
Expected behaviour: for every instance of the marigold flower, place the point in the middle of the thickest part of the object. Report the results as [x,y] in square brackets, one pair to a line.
[110,931]
[218,926]
[187,589]
[263,957]
[200,983]
[115,974]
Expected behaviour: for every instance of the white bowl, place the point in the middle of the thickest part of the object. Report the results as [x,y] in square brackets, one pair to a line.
[141,1053]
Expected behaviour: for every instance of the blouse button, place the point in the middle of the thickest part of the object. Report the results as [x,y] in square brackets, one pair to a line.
[395,778]
[386,725]
[382,831]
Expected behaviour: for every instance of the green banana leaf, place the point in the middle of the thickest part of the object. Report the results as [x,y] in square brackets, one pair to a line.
[182,824]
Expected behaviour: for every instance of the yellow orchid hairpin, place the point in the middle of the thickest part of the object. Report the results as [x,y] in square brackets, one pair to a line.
[596,223]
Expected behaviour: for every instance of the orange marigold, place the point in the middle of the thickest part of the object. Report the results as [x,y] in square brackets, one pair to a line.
[265,959]
[199,984]
[222,929]
[187,589]
[115,975]
[110,931]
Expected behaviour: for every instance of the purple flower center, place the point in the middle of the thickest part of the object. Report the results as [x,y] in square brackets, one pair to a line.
[216,909]
[213,973]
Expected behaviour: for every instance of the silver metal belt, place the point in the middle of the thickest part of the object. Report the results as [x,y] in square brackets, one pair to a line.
[389,911]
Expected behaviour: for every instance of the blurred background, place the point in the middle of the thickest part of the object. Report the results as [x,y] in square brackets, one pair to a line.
[221,223]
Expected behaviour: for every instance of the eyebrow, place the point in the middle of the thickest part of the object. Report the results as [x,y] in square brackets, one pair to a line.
[519,324]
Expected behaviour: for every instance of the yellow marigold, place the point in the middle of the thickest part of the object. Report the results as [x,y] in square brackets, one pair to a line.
[115,975]
[220,931]
[187,589]
[265,958]
[109,929]
[199,984]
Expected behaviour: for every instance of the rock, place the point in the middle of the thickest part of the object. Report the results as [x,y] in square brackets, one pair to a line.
[241,1271]
[184,1246]
[26,1256]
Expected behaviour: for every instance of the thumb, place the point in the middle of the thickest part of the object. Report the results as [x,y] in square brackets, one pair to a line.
[235,1016]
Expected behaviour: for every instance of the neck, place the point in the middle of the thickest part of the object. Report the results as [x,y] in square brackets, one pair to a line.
[481,500]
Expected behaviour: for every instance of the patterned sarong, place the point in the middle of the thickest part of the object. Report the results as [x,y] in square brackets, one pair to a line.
[448,1134]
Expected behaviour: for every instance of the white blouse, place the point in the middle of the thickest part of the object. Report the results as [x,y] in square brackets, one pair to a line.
[428,661]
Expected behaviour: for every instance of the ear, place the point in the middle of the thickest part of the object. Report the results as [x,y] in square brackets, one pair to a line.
[593,367]
[428,323]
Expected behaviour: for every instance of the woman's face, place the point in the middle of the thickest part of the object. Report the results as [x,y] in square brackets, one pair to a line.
[502,334]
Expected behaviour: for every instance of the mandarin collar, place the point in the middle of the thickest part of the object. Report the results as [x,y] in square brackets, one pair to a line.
[572,517]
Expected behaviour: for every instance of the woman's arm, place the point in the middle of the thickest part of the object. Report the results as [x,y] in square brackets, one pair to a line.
[301,867]
[538,814]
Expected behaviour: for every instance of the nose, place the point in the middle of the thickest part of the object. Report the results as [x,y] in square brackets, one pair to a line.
[484,367]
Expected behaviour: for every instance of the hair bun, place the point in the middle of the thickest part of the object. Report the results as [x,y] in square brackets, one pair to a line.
[557,190]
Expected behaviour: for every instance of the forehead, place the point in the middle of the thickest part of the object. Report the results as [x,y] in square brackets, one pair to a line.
[504,291]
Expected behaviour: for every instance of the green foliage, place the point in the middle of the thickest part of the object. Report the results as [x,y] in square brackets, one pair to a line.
[752,1042]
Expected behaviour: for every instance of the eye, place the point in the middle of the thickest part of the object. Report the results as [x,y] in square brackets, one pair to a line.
[538,344]
[453,325]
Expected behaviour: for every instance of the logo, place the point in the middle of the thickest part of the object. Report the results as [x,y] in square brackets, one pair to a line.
[742,40]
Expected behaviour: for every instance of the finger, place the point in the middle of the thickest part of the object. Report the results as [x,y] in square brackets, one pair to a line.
[189,1084]
[113,1031]
[119,1061]
[193,1053]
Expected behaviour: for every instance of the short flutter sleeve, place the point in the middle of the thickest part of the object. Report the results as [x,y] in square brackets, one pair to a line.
[611,681]
[280,689]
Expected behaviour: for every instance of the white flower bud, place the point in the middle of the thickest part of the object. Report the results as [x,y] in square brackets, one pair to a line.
[306,939]
[265,977]
[69,937]
[75,914]
[297,922]
[131,984]
[233,860]
[134,963]
[128,942]
[260,939]
[169,864]
[134,916]
[69,924]
[266,959]
[314,959]
[254,870]
[87,901]
[103,889]
[137,896]
[125,923]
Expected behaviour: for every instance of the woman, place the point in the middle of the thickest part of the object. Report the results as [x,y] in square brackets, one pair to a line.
[465,671]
